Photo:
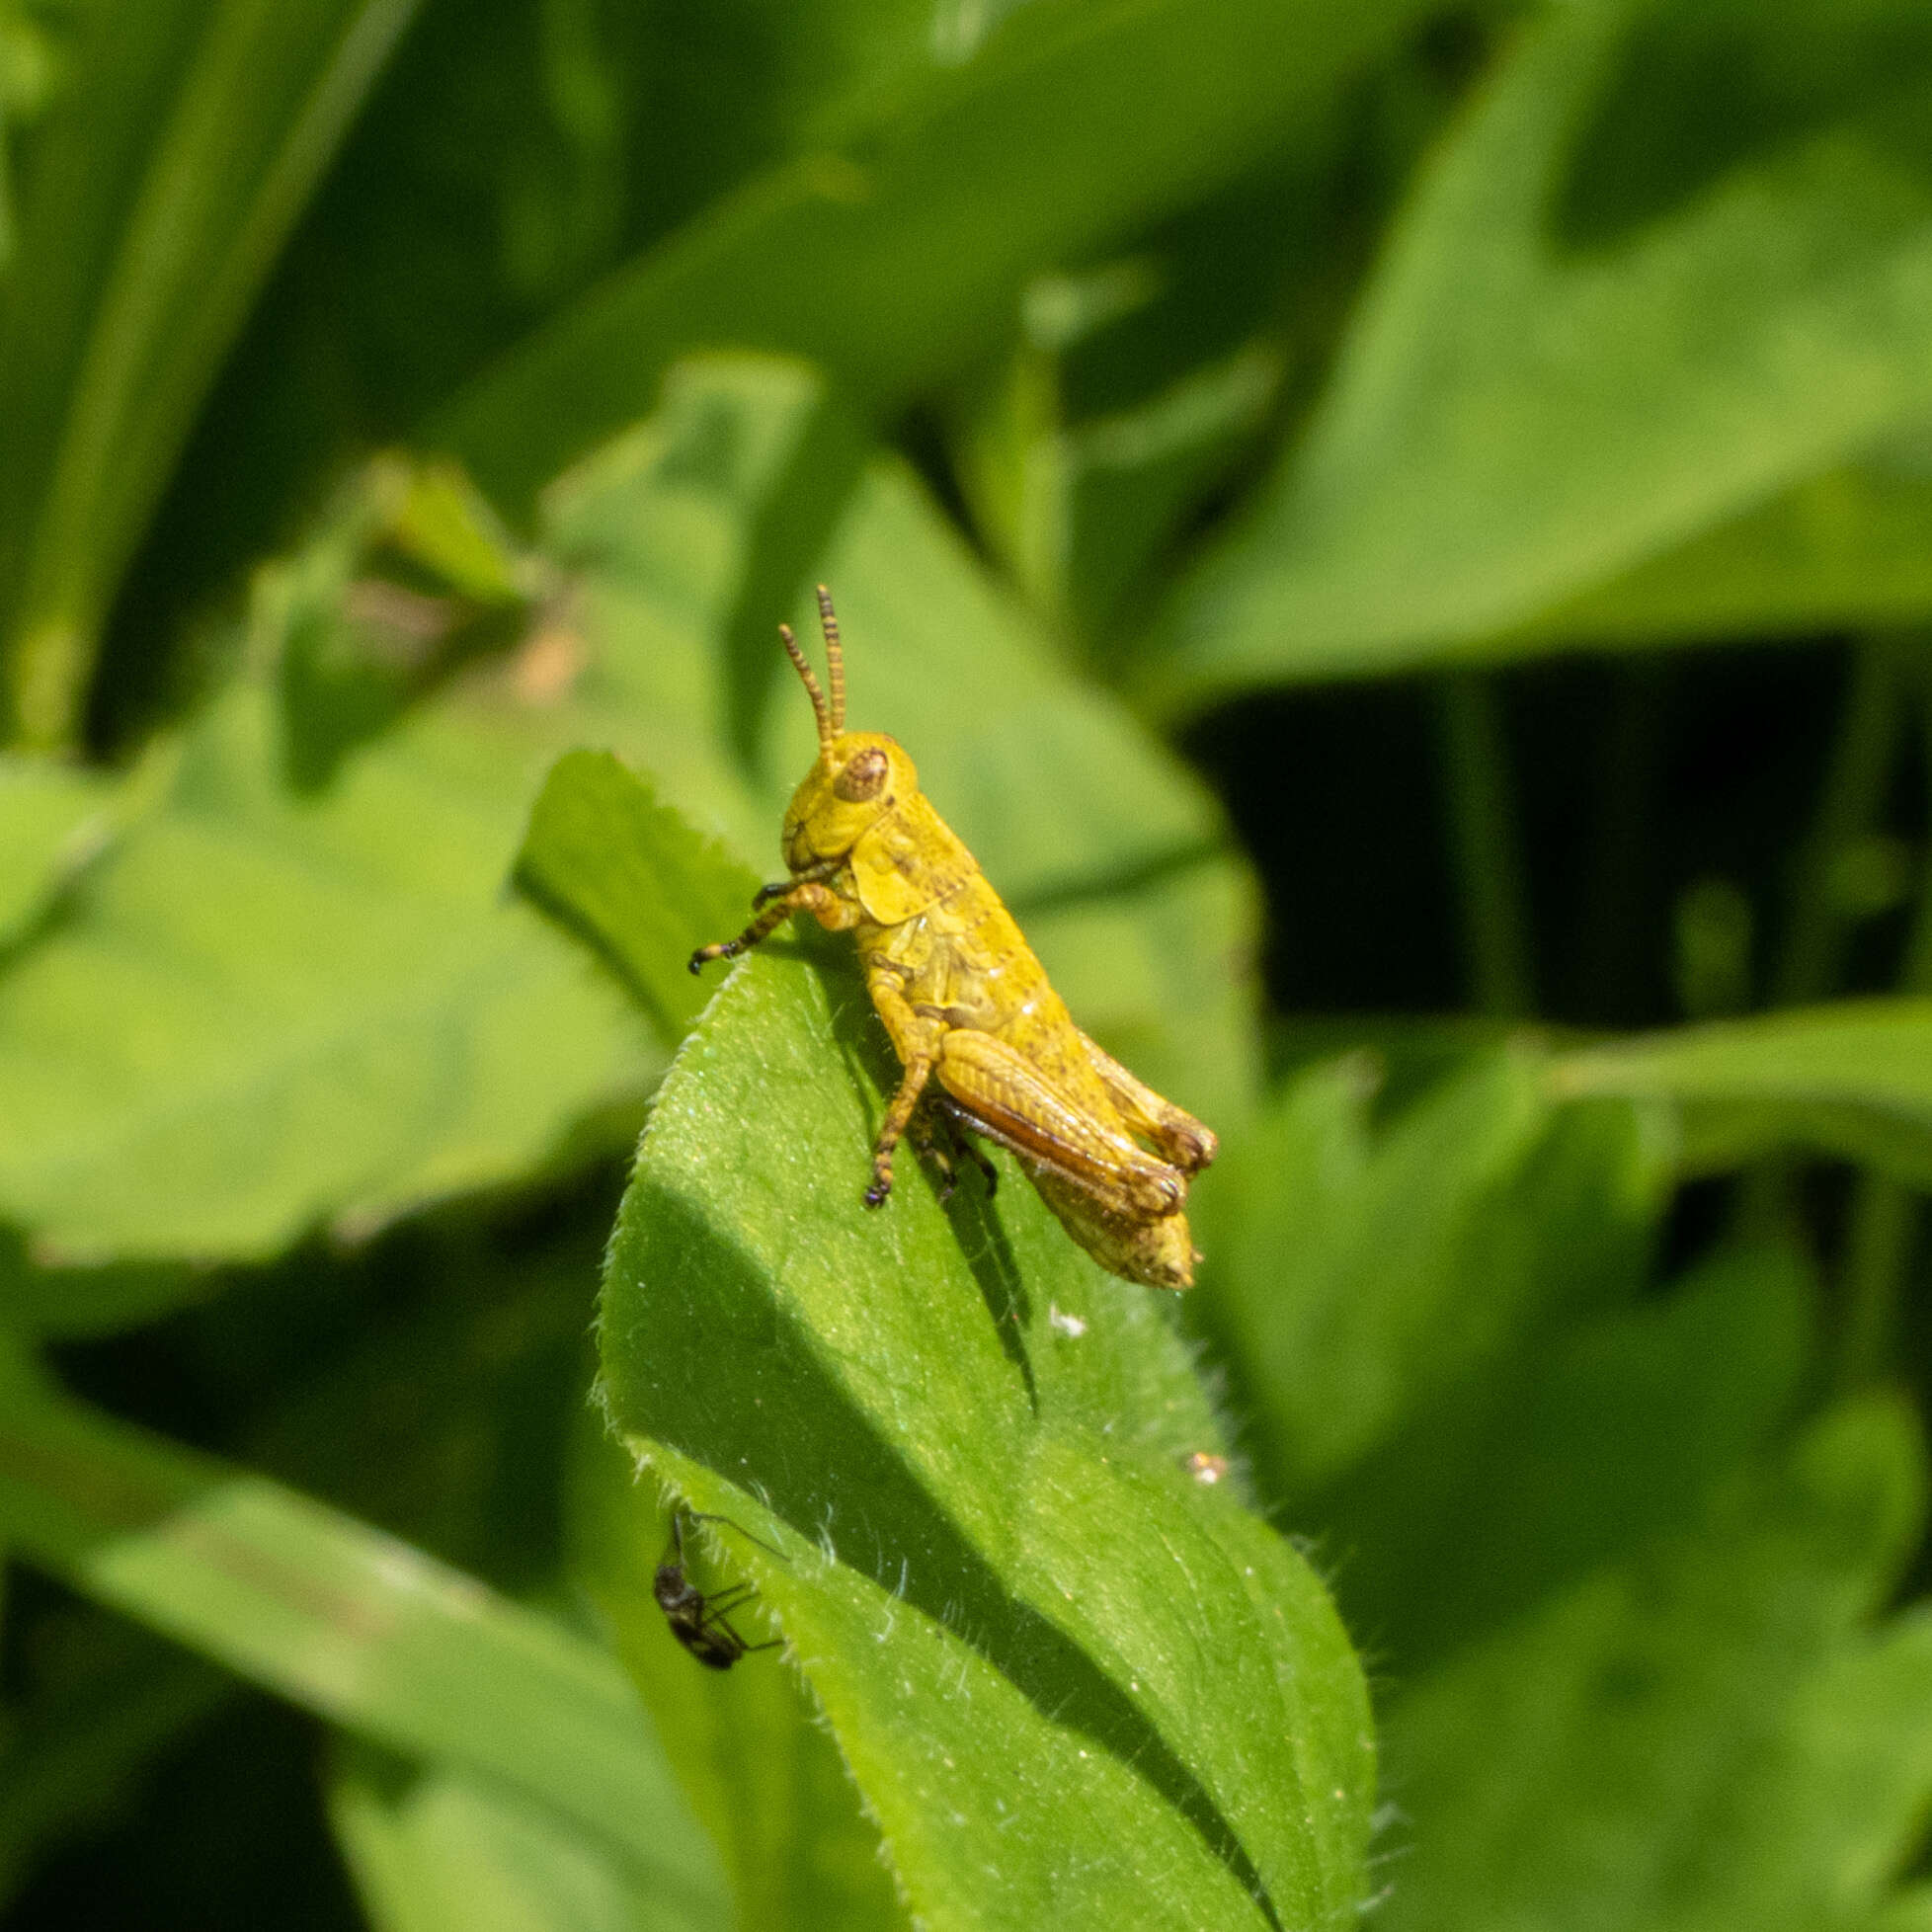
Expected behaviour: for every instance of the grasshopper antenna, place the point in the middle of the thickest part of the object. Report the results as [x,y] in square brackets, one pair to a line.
[834,658]
[804,669]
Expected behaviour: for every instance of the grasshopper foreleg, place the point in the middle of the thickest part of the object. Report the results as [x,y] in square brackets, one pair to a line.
[779,902]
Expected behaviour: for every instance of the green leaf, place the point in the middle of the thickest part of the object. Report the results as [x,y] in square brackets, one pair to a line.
[66,1303]
[54,818]
[1710,1734]
[883,259]
[1353,1280]
[178,146]
[431,1848]
[266,1011]
[1853,1079]
[632,878]
[1074,1686]
[1537,396]
[755,1759]
[1572,1449]
[1844,550]
[351,1624]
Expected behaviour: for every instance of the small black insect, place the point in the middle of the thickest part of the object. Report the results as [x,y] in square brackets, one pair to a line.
[701,1623]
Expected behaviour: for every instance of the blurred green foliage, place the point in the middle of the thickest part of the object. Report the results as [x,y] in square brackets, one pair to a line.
[1399,536]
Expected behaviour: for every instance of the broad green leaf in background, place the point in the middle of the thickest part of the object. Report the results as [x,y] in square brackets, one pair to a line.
[1711,1733]
[267,1011]
[1074,1686]
[154,189]
[351,1623]
[1433,1328]
[1354,1279]
[757,1763]
[1853,1079]
[54,818]
[1565,366]
[430,1847]
[1584,1440]
[884,257]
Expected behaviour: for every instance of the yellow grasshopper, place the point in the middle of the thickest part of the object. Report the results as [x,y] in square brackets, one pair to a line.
[968,1005]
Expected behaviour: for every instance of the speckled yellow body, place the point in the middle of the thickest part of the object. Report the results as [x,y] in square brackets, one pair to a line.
[970,1010]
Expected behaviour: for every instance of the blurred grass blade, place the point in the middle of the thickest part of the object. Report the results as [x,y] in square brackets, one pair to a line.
[345,1621]
[1617,312]
[181,143]
[632,879]
[431,1848]
[1853,1079]
[885,260]
[1842,551]
[1076,1686]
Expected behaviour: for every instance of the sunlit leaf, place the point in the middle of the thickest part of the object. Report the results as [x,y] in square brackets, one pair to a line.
[1075,1686]
[1842,550]
[1614,315]
[53,818]
[747,1744]
[632,879]
[268,1010]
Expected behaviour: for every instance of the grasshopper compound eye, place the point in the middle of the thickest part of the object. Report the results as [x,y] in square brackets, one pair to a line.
[863,779]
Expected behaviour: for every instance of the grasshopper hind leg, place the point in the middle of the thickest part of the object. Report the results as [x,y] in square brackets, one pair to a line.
[940,1136]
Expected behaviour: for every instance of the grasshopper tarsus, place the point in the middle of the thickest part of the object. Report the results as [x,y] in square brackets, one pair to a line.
[875,1195]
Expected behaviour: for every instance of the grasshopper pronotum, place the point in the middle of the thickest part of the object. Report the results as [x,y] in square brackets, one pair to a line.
[967,1004]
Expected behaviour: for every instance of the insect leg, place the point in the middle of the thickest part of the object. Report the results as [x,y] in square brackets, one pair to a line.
[1181,1139]
[918,1071]
[924,1130]
[943,1122]
[916,1038]
[831,912]
[1006,1097]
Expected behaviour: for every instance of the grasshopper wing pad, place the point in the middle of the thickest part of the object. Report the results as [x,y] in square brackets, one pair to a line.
[1005,1095]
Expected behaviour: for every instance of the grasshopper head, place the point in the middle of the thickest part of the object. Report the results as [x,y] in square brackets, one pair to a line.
[859,775]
